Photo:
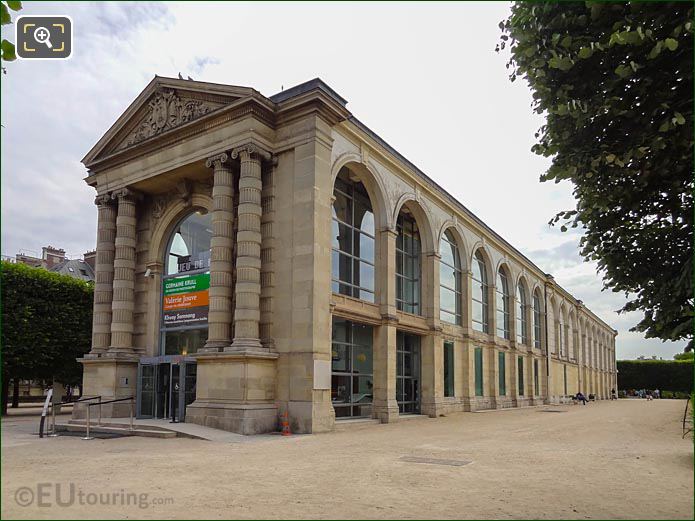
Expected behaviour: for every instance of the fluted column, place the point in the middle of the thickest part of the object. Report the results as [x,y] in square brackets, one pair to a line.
[123,301]
[247,291]
[103,287]
[221,254]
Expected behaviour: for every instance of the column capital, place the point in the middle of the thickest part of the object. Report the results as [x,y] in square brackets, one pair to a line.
[217,160]
[246,151]
[103,199]
[389,231]
[127,194]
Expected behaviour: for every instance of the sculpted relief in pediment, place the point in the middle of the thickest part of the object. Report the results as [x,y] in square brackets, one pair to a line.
[165,111]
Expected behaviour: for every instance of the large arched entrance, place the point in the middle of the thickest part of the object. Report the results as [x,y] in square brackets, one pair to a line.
[166,382]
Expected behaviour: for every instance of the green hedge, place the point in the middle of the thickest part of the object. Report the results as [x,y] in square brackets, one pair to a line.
[46,324]
[665,375]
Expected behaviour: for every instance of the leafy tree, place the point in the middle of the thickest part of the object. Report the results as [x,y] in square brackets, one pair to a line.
[46,325]
[615,81]
[7,51]
[684,356]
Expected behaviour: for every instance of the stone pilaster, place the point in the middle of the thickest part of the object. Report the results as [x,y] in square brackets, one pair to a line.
[385,407]
[491,372]
[103,287]
[221,254]
[432,349]
[432,375]
[247,313]
[124,274]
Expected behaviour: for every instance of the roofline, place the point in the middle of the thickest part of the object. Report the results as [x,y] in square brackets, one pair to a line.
[307,86]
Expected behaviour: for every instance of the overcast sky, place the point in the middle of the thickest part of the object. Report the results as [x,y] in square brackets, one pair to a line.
[426,78]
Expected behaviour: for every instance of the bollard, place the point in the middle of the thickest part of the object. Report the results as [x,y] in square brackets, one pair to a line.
[88,437]
[131,413]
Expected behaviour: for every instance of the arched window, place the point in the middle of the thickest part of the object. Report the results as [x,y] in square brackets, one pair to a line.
[449,280]
[560,335]
[521,305]
[189,246]
[185,286]
[479,298]
[353,239]
[407,264]
[536,320]
[502,300]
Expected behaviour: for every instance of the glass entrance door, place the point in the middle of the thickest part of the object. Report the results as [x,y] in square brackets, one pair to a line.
[408,373]
[166,385]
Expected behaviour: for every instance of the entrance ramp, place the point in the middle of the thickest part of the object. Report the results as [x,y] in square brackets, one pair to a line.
[113,429]
[163,428]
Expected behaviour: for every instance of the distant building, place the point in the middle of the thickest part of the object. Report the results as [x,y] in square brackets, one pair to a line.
[54,259]
[50,256]
[78,269]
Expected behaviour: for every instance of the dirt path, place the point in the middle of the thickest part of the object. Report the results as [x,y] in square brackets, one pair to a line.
[616,460]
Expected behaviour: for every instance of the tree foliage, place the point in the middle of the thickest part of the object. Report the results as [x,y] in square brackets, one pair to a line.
[7,49]
[46,324]
[615,81]
[665,375]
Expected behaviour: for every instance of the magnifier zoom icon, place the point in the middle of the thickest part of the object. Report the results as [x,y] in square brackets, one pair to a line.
[43,35]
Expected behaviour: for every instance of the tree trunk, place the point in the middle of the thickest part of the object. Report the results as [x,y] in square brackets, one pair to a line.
[15,395]
[5,394]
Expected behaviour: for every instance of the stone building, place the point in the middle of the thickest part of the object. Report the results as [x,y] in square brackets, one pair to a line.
[261,255]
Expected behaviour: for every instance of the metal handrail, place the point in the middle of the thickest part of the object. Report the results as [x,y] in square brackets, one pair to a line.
[111,401]
[685,419]
[76,401]
[53,411]
[100,403]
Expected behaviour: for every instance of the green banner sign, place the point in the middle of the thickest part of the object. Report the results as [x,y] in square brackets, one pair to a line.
[186,284]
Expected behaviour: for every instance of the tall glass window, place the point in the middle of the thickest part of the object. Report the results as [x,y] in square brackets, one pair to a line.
[560,335]
[479,298]
[536,389]
[520,379]
[449,280]
[407,264]
[448,369]
[185,286]
[502,300]
[502,362]
[521,323]
[352,381]
[478,354]
[536,320]
[353,239]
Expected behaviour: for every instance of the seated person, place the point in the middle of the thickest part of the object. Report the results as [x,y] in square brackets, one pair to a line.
[580,397]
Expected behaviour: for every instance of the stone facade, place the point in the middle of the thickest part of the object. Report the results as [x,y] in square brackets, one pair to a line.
[265,171]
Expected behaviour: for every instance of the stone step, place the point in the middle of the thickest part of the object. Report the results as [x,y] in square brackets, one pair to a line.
[343,425]
[120,430]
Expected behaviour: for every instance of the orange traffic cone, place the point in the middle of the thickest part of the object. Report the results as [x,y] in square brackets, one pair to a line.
[285,424]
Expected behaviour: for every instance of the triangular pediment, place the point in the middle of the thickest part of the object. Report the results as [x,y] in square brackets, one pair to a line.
[163,106]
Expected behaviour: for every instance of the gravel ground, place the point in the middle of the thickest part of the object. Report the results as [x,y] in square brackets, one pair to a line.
[607,460]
